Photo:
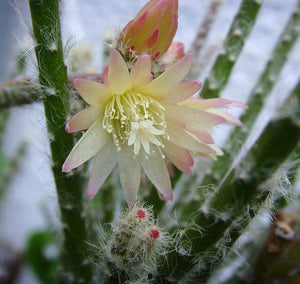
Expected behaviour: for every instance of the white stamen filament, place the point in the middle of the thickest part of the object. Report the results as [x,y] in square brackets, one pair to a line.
[135,119]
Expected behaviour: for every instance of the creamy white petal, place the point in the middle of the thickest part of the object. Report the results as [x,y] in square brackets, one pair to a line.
[186,140]
[83,120]
[118,75]
[130,174]
[104,163]
[94,93]
[191,118]
[182,167]
[200,103]
[89,144]
[161,86]
[229,118]
[155,168]
[180,153]
[140,74]
[203,135]
[182,91]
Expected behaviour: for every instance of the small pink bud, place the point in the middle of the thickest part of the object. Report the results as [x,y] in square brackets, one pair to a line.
[154,234]
[141,213]
[173,54]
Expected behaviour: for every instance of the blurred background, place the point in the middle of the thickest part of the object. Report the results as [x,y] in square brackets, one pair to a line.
[28,201]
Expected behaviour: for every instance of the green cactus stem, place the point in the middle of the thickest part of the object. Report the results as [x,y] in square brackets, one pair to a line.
[55,93]
[257,98]
[240,188]
[16,93]
[233,45]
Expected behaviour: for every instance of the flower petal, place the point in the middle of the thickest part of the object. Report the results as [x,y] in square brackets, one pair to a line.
[180,166]
[183,91]
[165,42]
[151,40]
[89,144]
[105,75]
[218,151]
[82,120]
[132,29]
[156,170]
[181,154]
[186,140]
[140,74]
[191,118]
[147,7]
[165,83]
[202,135]
[204,104]
[154,17]
[104,163]
[94,93]
[130,174]
[118,75]
[229,118]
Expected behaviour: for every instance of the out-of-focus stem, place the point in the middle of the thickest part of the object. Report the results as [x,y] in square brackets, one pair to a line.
[16,93]
[233,45]
[201,36]
[21,92]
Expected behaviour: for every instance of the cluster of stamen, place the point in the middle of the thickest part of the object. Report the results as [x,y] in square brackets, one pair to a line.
[134,119]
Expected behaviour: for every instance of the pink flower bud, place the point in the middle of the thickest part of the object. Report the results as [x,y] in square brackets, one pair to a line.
[154,234]
[173,54]
[152,30]
[141,213]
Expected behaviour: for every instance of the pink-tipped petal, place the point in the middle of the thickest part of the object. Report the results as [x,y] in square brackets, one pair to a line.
[180,166]
[89,144]
[229,118]
[118,75]
[104,163]
[181,154]
[82,120]
[105,75]
[185,140]
[92,92]
[182,91]
[132,29]
[190,118]
[155,14]
[161,86]
[130,174]
[156,170]
[147,7]
[140,74]
[200,103]
[238,104]
[202,135]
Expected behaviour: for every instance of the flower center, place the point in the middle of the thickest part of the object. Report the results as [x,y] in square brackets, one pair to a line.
[134,119]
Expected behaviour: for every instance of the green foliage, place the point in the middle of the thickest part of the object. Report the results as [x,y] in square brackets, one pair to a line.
[210,213]
[44,266]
